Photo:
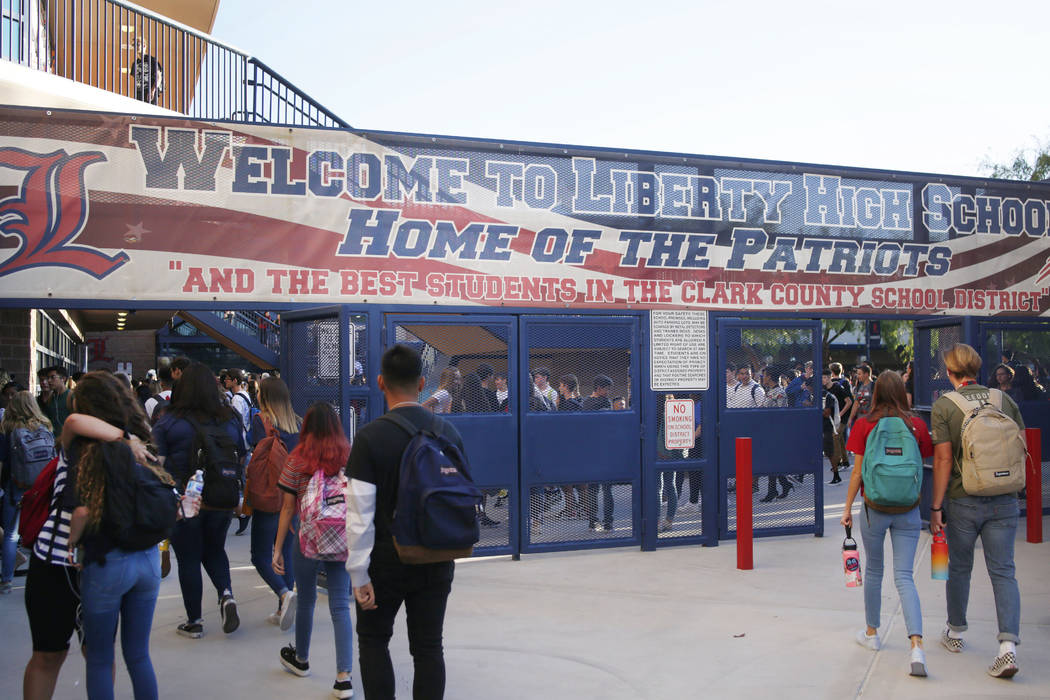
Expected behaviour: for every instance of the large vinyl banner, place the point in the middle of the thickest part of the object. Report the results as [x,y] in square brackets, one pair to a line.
[116,207]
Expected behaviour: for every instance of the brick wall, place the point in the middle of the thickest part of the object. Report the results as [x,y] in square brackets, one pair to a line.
[106,350]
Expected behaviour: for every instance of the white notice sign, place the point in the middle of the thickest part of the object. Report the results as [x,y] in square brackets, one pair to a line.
[679,350]
[678,424]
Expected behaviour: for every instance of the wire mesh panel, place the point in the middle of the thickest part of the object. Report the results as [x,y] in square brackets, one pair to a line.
[595,511]
[771,393]
[778,501]
[465,371]
[941,339]
[679,490]
[580,437]
[313,361]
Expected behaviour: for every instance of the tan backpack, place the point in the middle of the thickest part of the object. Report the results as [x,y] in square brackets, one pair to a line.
[994,451]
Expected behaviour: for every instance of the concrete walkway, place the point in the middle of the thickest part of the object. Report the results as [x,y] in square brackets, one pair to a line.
[681,622]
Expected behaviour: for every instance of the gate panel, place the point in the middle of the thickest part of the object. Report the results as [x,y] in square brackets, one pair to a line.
[782,416]
[324,358]
[581,460]
[455,352]
[1021,352]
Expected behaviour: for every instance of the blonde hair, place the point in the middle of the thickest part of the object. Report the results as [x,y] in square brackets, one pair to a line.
[962,360]
[275,402]
[24,412]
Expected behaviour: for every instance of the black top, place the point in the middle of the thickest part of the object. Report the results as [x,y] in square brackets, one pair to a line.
[376,459]
[120,491]
[597,403]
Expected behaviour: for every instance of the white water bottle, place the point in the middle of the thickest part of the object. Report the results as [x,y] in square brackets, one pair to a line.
[191,500]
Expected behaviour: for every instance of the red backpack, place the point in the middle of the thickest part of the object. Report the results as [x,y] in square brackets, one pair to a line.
[265,469]
[36,504]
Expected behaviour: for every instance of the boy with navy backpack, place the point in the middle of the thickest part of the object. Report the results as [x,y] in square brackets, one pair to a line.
[385,454]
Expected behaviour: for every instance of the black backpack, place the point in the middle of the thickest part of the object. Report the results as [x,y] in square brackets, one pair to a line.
[141,512]
[215,453]
[159,408]
[436,516]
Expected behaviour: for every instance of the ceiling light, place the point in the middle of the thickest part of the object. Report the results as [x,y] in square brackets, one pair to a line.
[122,313]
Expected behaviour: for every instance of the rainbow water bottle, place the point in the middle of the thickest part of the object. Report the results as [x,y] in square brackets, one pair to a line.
[851,559]
[939,557]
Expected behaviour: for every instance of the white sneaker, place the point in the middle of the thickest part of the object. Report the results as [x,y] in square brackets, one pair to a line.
[918,662]
[873,642]
[287,617]
[274,618]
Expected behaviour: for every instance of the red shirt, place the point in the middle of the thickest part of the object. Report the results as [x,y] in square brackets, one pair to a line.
[862,427]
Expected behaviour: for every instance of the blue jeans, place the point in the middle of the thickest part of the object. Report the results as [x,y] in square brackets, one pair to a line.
[197,541]
[338,607]
[9,521]
[264,532]
[994,518]
[124,588]
[904,537]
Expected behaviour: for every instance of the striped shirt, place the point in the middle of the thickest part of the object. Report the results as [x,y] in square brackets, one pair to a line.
[52,544]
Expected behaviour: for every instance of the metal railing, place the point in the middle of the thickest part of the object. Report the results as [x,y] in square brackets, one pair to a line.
[265,326]
[129,50]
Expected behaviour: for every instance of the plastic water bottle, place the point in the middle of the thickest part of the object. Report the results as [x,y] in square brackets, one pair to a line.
[191,500]
[939,557]
[851,559]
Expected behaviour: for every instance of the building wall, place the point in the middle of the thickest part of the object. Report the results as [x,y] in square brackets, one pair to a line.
[112,348]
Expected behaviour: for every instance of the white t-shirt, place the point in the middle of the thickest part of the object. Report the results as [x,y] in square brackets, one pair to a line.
[444,400]
[748,395]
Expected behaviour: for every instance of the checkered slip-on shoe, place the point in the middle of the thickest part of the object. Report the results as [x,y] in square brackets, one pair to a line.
[1004,666]
[952,644]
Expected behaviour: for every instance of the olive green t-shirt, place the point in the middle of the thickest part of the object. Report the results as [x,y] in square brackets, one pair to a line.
[946,419]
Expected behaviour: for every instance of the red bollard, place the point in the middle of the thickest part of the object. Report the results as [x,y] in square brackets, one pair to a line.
[1034,484]
[744,523]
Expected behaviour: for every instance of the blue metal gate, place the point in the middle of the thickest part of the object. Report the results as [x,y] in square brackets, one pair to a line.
[580,459]
[780,410]
[477,351]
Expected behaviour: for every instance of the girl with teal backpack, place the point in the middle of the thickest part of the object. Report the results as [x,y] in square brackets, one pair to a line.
[888,445]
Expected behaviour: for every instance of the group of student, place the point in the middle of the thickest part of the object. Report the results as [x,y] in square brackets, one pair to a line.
[964,506]
[111,464]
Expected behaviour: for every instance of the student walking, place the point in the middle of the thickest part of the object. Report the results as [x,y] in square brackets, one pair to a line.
[196,410]
[975,513]
[26,445]
[274,433]
[889,403]
[381,582]
[121,570]
[314,487]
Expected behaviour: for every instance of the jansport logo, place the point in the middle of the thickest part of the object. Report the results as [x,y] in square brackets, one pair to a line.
[49,211]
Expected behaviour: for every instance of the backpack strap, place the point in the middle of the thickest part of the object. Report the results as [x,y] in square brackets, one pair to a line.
[965,405]
[402,422]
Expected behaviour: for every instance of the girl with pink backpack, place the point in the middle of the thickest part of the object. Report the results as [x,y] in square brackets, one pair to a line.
[314,487]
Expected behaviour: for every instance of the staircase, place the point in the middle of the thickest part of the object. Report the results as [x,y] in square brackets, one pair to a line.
[254,335]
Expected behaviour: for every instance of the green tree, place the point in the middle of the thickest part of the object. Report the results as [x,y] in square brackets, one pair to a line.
[1031,164]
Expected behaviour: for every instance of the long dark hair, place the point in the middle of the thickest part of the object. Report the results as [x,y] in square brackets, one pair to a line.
[104,396]
[889,398]
[196,395]
[322,443]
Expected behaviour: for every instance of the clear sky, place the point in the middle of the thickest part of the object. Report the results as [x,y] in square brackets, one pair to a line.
[921,85]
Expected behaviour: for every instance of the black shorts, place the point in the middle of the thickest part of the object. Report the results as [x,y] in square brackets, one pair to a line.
[52,603]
